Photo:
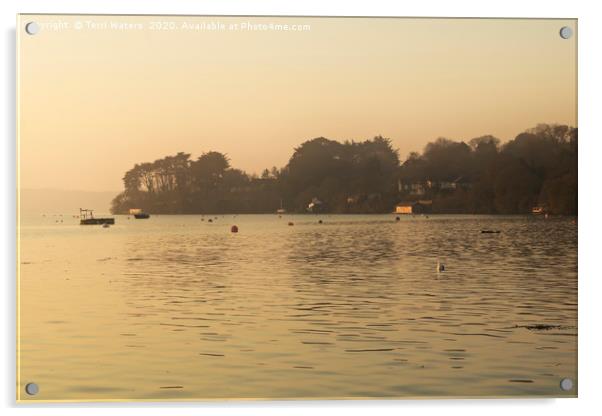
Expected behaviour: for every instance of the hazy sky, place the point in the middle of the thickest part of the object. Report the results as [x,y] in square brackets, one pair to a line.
[96,97]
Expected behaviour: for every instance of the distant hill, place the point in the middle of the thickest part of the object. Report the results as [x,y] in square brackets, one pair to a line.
[49,201]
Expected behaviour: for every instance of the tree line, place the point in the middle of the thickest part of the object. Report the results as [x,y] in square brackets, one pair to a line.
[481,176]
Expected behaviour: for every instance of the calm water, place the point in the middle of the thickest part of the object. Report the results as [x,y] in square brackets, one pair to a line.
[175,307]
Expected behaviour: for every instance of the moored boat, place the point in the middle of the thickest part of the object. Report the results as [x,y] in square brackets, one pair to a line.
[281,210]
[86,217]
[139,214]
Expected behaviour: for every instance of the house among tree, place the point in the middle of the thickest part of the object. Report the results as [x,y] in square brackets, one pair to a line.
[447,186]
[459,182]
[414,207]
[415,188]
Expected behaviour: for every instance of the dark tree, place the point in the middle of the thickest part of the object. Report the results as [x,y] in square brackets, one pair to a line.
[537,168]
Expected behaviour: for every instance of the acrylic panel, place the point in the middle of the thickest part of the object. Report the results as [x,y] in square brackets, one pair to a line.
[233,207]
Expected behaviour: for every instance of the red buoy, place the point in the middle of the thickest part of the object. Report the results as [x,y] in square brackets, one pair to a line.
[234,229]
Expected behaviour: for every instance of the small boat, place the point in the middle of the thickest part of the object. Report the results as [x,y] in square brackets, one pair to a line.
[87,218]
[315,206]
[281,210]
[139,214]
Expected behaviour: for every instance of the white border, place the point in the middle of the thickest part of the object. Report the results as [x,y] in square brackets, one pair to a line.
[590,276]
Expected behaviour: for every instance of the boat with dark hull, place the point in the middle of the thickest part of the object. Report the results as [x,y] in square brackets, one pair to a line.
[86,217]
[139,214]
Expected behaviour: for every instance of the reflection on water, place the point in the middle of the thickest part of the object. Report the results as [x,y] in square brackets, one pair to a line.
[178,308]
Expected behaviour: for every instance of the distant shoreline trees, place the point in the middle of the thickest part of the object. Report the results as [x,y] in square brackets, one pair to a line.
[481,176]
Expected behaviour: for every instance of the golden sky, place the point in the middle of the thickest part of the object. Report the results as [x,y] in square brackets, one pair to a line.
[98,94]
